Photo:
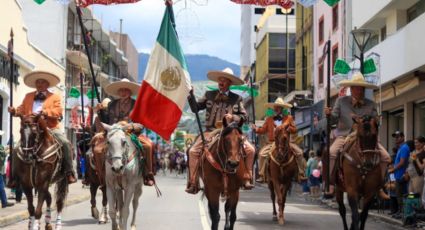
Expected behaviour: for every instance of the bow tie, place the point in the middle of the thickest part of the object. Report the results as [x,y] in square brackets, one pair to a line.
[40,96]
[277,118]
[357,103]
[221,97]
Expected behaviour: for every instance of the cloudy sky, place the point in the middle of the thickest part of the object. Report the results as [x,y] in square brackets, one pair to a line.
[213,28]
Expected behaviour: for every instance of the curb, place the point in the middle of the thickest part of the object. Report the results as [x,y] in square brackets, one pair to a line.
[23,215]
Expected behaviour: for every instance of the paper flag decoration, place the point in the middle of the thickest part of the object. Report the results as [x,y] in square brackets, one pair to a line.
[369,66]
[74,93]
[331,3]
[341,67]
[91,94]
[39,2]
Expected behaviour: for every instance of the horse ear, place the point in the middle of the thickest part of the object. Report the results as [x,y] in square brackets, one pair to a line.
[106,126]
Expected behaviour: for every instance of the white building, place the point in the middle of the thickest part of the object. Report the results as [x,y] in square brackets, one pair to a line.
[398,40]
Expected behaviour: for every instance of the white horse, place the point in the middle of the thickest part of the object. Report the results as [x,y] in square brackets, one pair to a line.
[124,179]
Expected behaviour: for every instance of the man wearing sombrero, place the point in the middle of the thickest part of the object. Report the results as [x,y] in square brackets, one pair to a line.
[119,110]
[219,104]
[46,103]
[281,117]
[345,108]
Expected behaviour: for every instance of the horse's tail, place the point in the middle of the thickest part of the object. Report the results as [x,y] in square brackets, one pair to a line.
[61,193]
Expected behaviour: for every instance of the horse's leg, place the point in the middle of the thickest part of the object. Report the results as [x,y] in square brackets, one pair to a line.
[104,215]
[273,197]
[213,207]
[48,216]
[136,196]
[112,207]
[339,195]
[38,210]
[125,210]
[352,200]
[284,190]
[31,209]
[231,205]
[278,191]
[93,191]
[61,193]
[363,216]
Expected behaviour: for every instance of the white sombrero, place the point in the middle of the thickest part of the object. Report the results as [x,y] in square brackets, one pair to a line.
[112,89]
[226,73]
[33,76]
[279,102]
[357,80]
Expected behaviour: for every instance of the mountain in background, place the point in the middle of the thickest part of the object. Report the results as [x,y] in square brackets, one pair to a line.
[198,65]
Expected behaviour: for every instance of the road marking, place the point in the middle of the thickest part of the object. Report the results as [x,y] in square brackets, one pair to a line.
[204,219]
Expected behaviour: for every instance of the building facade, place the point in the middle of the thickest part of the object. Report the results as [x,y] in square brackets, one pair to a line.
[28,56]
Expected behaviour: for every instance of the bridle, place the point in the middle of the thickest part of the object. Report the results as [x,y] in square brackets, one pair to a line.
[125,156]
[27,130]
[222,150]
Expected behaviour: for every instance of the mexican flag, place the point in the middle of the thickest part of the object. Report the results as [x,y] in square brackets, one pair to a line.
[166,84]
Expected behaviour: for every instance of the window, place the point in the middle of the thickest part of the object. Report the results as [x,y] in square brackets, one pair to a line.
[335,17]
[259,10]
[416,10]
[321,30]
[277,53]
[277,88]
[334,55]
[383,33]
[321,74]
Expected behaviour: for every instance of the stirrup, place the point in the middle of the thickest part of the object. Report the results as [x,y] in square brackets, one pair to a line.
[192,189]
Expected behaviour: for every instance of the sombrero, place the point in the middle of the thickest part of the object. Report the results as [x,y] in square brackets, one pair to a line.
[112,89]
[226,73]
[357,80]
[279,102]
[33,76]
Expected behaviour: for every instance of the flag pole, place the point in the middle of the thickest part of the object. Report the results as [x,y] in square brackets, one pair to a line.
[328,118]
[83,34]
[11,80]
[169,4]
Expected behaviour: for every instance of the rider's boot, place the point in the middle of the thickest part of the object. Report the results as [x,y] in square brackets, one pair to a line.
[149,179]
[70,178]
[301,168]
[193,179]
[331,193]
[249,160]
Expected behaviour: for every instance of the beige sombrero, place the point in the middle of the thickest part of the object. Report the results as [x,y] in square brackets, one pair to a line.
[33,76]
[279,102]
[226,73]
[112,89]
[357,80]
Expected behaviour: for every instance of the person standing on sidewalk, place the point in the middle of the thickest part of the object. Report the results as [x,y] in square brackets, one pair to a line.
[3,197]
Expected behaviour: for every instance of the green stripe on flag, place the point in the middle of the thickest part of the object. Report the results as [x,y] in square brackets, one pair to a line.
[167,37]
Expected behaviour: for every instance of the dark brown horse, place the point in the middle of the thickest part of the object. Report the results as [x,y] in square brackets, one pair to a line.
[358,172]
[95,172]
[282,169]
[37,165]
[222,168]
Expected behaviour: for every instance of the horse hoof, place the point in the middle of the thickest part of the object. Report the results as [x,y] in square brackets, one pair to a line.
[49,227]
[95,213]
[281,221]
[274,218]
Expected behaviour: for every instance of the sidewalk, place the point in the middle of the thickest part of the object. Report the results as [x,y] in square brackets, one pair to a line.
[19,212]
[333,205]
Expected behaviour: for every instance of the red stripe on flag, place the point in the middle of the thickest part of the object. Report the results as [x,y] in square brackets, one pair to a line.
[85,3]
[155,111]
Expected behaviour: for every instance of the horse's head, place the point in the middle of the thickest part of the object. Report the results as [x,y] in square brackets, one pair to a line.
[32,129]
[367,129]
[231,144]
[281,142]
[118,147]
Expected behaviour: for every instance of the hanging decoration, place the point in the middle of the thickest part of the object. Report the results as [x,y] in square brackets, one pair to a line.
[342,67]
[74,92]
[91,94]
[85,3]
[331,3]
[307,3]
[286,4]
[39,2]
[242,90]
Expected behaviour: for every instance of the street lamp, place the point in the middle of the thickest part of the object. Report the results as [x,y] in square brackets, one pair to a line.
[361,37]
[286,12]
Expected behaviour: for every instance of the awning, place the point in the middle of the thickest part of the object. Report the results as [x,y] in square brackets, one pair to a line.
[397,89]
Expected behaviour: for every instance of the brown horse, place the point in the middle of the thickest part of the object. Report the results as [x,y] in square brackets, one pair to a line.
[95,172]
[282,169]
[37,165]
[222,168]
[358,172]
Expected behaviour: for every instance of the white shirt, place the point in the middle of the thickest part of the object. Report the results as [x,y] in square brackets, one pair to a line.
[37,106]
